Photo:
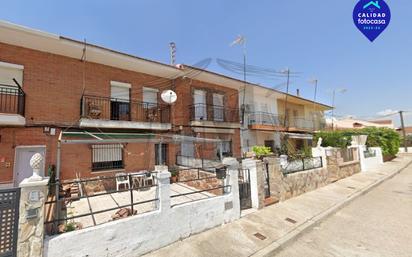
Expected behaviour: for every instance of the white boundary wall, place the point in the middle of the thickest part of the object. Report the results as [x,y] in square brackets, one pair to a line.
[371,163]
[402,150]
[141,234]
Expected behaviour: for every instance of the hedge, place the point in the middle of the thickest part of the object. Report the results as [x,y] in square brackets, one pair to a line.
[385,138]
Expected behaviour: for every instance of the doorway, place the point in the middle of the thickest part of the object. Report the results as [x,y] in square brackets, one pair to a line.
[22,167]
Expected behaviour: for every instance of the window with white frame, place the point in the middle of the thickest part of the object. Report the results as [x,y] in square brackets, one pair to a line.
[120,100]
[107,157]
[150,95]
[8,72]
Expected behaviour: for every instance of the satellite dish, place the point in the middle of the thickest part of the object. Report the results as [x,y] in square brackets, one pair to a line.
[169,96]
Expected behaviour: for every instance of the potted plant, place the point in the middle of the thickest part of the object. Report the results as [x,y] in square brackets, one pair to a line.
[174,175]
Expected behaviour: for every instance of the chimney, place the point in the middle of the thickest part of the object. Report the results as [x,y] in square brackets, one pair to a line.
[298,92]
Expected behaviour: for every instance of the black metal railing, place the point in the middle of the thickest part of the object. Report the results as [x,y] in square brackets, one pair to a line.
[62,197]
[303,164]
[206,112]
[12,99]
[106,108]
[202,183]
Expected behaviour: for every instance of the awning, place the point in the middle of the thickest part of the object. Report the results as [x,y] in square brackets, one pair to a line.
[299,136]
[86,137]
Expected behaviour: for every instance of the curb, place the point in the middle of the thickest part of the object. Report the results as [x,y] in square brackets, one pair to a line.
[277,246]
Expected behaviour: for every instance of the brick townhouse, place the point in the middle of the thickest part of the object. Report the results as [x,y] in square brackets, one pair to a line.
[51,84]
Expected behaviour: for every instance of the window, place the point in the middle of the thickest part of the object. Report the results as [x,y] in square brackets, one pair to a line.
[161,160]
[8,72]
[227,148]
[150,95]
[218,107]
[199,102]
[107,157]
[120,101]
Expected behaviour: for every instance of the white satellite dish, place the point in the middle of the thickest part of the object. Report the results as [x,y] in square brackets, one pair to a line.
[169,96]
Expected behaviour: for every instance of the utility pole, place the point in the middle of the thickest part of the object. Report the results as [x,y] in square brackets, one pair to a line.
[286,98]
[403,132]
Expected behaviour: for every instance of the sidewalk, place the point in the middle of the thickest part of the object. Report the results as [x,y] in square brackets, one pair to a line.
[262,233]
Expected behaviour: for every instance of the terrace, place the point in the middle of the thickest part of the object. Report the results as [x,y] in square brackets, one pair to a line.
[106,112]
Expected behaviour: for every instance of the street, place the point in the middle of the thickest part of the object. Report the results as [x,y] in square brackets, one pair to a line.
[376,224]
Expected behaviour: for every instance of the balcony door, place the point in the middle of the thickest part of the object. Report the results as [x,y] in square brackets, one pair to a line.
[199,102]
[218,107]
[120,101]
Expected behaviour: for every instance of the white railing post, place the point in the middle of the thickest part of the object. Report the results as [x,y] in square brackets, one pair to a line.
[163,186]
[232,180]
[257,182]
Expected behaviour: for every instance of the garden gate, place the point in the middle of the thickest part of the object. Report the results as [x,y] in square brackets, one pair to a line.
[9,220]
[244,189]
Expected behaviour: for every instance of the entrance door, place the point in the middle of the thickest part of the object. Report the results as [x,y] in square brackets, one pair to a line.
[161,159]
[22,167]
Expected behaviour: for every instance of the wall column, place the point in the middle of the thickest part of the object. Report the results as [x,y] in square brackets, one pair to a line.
[31,221]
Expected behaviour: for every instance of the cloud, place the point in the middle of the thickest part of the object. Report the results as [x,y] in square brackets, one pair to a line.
[387,112]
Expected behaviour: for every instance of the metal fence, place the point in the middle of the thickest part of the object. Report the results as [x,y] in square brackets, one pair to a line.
[369,153]
[107,108]
[78,200]
[207,112]
[9,220]
[12,99]
[347,154]
[193,184]
[303,164]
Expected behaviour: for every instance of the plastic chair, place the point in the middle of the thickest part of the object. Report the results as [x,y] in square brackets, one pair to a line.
[122,179]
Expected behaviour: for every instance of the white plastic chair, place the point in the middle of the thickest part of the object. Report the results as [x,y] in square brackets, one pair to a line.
[122,179]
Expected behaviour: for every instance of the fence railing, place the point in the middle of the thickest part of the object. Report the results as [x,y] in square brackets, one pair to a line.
[347,154]
[206,112]
[198,184]
[106,108]
[87,202]
[303,164]
[264,118]
[369,153]
[12,99]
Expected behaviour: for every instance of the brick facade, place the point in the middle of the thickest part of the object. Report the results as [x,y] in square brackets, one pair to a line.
[54,86]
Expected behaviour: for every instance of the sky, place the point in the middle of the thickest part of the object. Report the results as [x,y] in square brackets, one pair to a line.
[316,38]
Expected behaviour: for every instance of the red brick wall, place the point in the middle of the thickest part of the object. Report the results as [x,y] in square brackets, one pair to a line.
[54,86]
[12,137]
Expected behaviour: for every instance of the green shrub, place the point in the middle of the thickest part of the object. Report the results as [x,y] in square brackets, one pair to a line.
[385,138]
[261,150]
[340,139]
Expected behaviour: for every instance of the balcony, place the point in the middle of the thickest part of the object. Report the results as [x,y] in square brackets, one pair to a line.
[12,105]
[214,115]
[106,112]
[265,121]
[272,122]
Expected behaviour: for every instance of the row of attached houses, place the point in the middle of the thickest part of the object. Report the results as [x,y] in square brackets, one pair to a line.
[52,86]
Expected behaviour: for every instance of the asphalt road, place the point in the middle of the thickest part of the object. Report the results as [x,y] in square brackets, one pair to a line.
[378,224]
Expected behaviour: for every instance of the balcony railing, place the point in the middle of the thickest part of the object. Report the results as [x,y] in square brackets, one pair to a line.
[106,108]
[12,99]
[206,112]
[264,118]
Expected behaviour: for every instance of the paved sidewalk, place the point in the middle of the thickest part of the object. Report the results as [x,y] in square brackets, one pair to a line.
[278,224]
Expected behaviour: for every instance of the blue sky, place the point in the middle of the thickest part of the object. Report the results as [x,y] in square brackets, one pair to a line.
[312,37]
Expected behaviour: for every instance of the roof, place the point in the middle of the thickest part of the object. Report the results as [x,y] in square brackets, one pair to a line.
[18,35]
[350,123]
